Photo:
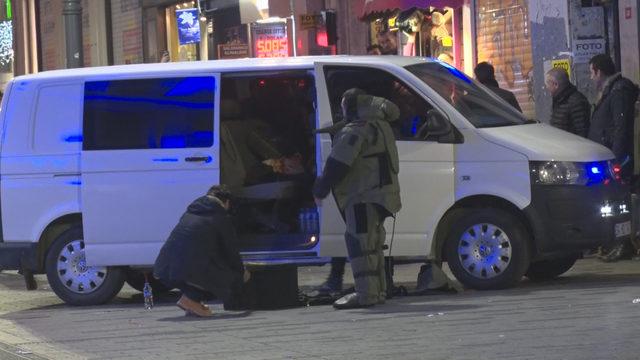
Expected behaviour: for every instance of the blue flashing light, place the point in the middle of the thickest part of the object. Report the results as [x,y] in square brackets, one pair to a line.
[74,182]
[596,173]
[209,159]
[73,138]
[173,142]
[166,160]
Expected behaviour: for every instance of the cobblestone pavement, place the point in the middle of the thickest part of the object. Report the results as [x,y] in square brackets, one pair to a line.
[587,314]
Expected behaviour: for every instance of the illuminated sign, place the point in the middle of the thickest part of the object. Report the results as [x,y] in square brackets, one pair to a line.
[270,40]
[188,26]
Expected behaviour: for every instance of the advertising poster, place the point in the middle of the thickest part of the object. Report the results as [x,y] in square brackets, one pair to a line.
[270,40]
[188,26]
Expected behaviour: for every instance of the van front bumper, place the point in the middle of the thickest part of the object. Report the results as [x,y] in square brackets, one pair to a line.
[18,256]
[570,219]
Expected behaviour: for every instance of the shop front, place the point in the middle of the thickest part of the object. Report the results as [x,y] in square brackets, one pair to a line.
[174,31]
[431,28]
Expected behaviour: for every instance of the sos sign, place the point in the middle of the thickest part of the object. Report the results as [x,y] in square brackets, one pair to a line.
[271,47]
[270,40]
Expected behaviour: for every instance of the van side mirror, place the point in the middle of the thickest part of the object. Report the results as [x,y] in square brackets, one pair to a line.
[435,126]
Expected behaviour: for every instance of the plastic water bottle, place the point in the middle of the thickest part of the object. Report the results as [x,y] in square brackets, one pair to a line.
[147,292]
[313,221]
[302,220]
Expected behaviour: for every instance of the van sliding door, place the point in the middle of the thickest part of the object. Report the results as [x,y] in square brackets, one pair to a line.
[150,147]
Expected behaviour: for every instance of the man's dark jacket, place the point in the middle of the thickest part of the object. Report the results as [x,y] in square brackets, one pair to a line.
[613,117]
[201,250]
[506,95]
[571,111]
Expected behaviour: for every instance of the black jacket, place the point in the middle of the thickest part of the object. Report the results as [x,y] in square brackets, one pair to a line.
[201,250]
[571,111]
[506,95]
[613,117]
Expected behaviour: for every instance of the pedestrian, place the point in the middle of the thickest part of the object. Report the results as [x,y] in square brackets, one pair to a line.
[570,110]
[485,74]
[362,170]
[374,49]
[165,57]
[200,257]
[612,126]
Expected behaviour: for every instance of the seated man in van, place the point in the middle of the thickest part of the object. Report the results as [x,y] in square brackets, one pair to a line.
[200,257]
[247,158]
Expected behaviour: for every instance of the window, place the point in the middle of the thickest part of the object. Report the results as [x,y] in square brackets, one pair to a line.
[57,119]
[478,106]
[413,108]
[149,113]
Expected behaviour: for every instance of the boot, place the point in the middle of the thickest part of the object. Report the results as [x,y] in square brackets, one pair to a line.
[620,251]
[350,302]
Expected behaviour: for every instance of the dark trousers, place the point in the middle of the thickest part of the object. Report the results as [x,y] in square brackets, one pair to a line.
[194,293]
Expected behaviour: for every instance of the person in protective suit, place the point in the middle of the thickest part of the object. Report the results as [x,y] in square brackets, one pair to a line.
[362,170]
[200,257]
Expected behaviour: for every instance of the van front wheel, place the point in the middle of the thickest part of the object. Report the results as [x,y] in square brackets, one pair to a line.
[72,280]
[487,248]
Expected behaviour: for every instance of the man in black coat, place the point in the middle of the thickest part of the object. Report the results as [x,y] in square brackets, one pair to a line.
[571,109]
[612,124]
[485,74]
[200,257]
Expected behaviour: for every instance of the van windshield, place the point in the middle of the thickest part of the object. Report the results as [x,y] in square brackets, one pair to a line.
[471,99]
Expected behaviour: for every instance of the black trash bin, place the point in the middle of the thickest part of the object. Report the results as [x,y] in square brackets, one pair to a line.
[271,287]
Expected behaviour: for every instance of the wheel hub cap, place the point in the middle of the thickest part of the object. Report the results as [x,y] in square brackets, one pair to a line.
[73,271]
[484,250]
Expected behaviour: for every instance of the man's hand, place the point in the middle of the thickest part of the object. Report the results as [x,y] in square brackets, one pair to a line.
[246,276]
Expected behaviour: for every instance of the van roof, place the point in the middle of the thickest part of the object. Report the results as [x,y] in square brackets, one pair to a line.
[222,65]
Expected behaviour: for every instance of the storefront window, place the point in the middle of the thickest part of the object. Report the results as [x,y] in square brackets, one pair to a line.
[504,41]
[416,32]
[6,43]
[185,32]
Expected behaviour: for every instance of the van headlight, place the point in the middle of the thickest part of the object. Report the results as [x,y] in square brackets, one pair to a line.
[569,173]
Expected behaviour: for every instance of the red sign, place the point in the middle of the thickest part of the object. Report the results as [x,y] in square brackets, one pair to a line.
[627,12]
[270,40]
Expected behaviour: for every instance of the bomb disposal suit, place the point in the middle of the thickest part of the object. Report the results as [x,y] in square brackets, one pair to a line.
[362,170]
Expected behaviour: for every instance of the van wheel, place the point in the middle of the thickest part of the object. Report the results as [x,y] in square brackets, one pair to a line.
[487,248]
[72,280]
[549,269]
[135,279]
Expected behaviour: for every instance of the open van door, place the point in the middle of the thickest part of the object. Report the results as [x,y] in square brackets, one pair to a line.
[150,147]
[426,162]
[332,225]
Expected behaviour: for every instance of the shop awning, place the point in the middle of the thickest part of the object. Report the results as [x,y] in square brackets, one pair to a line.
[369,8]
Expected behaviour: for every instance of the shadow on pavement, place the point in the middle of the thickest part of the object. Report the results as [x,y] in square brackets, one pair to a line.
[216,316]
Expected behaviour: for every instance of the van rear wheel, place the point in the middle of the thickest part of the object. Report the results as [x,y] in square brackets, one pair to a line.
[72,280]
[487,248]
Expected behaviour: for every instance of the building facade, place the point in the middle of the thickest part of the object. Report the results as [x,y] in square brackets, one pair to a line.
[521,38]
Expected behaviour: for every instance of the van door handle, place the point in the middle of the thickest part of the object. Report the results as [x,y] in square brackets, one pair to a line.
[205,159]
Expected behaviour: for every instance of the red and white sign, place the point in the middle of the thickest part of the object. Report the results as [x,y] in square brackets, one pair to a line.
[627,12]
[270,40]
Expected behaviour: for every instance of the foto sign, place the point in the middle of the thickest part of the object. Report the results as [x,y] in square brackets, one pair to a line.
[585,49]
[270,40]
[562,64]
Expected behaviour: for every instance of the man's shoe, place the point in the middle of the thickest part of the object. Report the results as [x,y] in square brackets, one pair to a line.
[193,307]
[350,302]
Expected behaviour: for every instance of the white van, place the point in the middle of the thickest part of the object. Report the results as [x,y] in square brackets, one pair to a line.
[98,164]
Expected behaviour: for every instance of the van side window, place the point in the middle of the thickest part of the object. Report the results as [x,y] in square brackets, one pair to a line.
[149,113]
[413,108]
[58,119]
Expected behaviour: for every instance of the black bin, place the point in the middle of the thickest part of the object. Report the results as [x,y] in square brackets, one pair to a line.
[271,287]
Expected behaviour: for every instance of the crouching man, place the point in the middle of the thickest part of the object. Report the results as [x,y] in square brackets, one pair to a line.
[200,257]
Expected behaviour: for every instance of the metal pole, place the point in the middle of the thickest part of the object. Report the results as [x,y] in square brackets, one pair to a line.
[72,13]
[293,25]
